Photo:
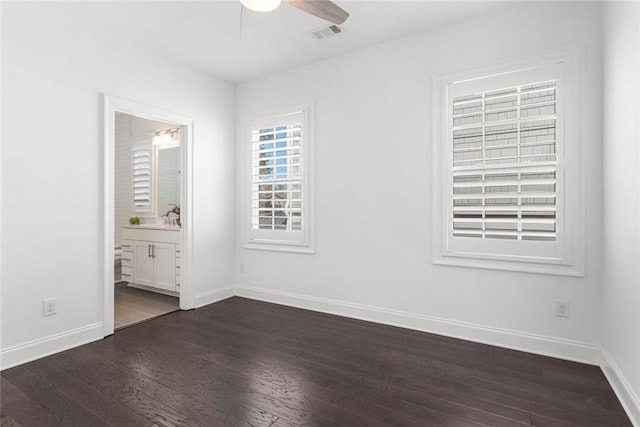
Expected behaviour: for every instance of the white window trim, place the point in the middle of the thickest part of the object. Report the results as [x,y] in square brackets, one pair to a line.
[306,244]
[571,259]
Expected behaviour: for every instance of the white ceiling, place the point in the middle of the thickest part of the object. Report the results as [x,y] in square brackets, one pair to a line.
[206,34]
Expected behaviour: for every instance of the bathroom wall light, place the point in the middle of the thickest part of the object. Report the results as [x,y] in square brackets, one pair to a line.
[166,137]
[261,5]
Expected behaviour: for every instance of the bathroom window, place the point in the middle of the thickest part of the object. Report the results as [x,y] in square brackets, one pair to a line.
[507,164]
[142,164]
[279,148]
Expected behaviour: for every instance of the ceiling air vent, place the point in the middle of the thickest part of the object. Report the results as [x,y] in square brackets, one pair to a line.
[325,32]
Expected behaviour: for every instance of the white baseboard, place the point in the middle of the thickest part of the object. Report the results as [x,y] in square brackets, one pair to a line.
[532,343]
[215,295]
[622,388]
[36,349]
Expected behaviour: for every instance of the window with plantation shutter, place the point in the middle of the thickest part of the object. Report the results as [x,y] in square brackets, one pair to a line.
[504,163]
[277,178]
[508,166]
[142,177]
[280,149]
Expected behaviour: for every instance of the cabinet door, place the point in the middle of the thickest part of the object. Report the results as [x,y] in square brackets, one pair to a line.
[142,263]
[165,266]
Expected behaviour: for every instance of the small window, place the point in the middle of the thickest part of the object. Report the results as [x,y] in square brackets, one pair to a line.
[507,161]
[280,150]
[142,177]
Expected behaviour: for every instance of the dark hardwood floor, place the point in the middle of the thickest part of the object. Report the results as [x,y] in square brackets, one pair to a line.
[241,362]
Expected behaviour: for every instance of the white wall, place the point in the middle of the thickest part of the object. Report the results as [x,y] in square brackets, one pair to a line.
[373,190]
[54,68]
[621,291]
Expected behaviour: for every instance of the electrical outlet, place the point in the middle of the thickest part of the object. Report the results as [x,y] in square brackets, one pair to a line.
[242,269]
[562,308]
[49,307]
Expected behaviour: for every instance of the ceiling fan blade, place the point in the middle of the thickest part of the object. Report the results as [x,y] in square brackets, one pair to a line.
[324,9]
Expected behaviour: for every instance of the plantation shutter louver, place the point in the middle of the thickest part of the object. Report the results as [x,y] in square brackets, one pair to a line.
[142,176]
[277,180]
[504,165]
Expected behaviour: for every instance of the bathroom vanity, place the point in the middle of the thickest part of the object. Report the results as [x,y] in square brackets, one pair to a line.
[151,258]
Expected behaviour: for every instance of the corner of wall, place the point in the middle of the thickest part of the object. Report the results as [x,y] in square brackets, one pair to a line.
[215,295]
[629,400]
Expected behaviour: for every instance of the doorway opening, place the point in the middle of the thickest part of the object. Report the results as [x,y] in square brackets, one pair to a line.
[147,222]
[147,211]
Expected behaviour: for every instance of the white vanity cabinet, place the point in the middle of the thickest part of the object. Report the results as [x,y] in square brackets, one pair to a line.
[151,258]
[143,263]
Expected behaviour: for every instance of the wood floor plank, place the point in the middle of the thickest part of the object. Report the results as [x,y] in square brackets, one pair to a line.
[29,413]
[85,395]
[467,358]
[8,392]
[410,339]
[351,367]
[582,393]
[16,407]
[547,393]
[209,411]
[8,421]
[241,362]
[262,372]
[164,405]
[279,366]
[122,388]
[62,410]
[199,379]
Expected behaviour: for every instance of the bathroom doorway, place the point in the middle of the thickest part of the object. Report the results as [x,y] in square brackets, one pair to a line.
[146,217]
[147,211]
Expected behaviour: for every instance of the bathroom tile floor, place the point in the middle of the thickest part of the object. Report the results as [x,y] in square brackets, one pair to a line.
[135,305]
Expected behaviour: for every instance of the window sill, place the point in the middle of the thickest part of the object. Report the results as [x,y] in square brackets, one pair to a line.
[275,247]
[521,267]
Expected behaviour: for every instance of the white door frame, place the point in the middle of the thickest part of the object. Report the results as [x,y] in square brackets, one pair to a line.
[111,105]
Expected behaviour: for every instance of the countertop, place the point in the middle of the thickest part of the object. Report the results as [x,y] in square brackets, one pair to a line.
[154,227]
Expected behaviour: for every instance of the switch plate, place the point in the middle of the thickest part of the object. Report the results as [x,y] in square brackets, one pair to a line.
[242,268]
[562,308]
[49,307]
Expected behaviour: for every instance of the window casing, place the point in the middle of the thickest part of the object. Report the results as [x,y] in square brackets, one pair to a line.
[507,165]
[279,148]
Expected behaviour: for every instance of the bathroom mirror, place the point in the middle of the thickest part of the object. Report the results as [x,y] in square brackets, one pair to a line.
[167,177]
